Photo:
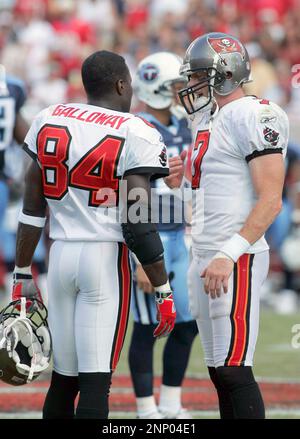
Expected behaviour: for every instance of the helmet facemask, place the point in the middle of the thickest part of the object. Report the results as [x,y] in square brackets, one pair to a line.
[189,95]
[25,342]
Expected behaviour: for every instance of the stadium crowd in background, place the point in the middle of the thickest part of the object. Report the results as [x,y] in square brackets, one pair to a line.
[44,43]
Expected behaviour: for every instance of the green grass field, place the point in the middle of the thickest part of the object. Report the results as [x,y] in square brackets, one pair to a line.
[275,357]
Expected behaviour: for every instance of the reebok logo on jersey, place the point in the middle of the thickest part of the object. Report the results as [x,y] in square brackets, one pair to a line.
[266,119]
[271,136]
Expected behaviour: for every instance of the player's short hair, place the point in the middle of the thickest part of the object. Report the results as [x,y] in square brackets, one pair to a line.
[100,72]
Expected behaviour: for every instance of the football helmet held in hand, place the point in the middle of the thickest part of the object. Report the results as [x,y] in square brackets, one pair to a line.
[25,342]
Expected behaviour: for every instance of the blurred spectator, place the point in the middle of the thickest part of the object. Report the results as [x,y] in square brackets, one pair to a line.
[265,79]
[44,42]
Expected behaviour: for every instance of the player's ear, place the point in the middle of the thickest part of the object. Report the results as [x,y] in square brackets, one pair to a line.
[120,86]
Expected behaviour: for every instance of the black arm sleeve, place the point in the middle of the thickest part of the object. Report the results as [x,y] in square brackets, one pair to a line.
[140,234]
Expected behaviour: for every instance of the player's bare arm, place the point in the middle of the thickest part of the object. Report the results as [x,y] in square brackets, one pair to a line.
[293,189]
[267,173]
[29,232]
[142,280]
[21,128]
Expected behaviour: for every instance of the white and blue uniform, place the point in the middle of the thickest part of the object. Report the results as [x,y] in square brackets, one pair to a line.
[10,104]
[177,137]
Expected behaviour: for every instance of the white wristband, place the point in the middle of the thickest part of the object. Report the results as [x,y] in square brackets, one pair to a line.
[35,221]
[235,247]
[22,270]
[163,288]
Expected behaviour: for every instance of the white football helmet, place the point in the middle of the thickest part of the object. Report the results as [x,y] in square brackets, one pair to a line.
[154,79]
[25,342]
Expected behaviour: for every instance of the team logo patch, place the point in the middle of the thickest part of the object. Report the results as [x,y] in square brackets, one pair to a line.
[271,136]
[226,45]
[163,156]
[148,72]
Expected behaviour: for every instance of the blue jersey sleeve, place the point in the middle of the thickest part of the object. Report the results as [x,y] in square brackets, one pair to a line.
[17,91]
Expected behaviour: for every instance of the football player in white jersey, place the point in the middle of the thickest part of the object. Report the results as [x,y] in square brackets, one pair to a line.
[237,179]
[83,154]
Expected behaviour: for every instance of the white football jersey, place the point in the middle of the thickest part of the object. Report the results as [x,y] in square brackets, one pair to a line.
[223,146]
[84,151]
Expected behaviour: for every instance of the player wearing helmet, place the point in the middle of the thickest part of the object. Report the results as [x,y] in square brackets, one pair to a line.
[156,79]
[238,165]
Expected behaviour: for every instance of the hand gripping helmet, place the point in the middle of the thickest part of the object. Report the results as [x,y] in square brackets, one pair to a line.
[154,79]
[25,342]
[226,65]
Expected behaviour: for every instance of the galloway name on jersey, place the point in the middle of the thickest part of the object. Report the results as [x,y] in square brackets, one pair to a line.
[83,149]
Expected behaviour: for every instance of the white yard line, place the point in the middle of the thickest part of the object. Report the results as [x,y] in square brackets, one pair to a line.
[131,415]
[24,389]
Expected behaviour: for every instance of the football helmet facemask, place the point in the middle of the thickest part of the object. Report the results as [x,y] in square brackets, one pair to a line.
[225,64]
[25,342]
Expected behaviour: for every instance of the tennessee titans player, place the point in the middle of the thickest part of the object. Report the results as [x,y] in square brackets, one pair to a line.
[155,84]
[12,128]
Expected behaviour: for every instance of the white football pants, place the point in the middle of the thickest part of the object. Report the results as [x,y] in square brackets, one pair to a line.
[228,325]
[89,285]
